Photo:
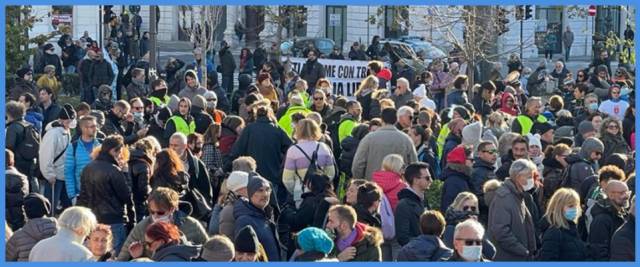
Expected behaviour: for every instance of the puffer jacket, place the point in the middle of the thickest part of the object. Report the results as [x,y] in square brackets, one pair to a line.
[425,248]
[262,222]
[17,188]
[104,189]
[20,244]
[560,244]
[74,162]
[35,117]
[176,253]
[391,183]
[453,218]
[140,172]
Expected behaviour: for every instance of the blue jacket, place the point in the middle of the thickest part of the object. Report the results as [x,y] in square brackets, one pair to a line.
[457,97]
[34,118]
[261,221]
[74,164]
[455,182]
[425,248]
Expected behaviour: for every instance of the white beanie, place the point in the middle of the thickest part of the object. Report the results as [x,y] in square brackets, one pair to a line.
[237,180]
[534,140]
[210,94]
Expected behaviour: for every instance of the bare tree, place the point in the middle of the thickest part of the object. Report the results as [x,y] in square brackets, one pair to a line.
[287,18]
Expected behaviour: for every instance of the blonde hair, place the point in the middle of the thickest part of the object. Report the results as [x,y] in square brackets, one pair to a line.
[370,82]
[555,210]
[386,103]
[393,163]
[307,129]
[462,198]
[491,185]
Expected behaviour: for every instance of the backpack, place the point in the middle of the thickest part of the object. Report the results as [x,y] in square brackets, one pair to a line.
[387,218]
[313,165]
[29,146]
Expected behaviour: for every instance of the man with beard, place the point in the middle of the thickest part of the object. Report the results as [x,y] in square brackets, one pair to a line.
[608,215]
[227,67]
[120,121]
[137,87]
[519,150]
[101,72]
[201,118]
[349,120]
[312,70]
[354,241]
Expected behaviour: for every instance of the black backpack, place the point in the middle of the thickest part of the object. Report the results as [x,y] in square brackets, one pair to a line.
[29,147]
[313,165]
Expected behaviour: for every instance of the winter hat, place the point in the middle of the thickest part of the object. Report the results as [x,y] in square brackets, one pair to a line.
[591,145]
[464,113]
[199,101]
[563,132]
[67,112]
[174,101]
[49,68]
[218,249]
[534,140]
[315,239]
[262,77]
[255,183]
[47,47]
[542,128]
[237,180]
[23,71]
[209,95]
[246,240]
[472,134]
[585,127]
[36,206]
[457,156]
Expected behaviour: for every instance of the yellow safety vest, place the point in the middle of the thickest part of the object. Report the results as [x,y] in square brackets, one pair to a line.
[182,126]
[159,102]
[526,123]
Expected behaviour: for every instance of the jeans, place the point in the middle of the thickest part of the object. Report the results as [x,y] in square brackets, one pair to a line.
[549,53]
[70,69]
[59,196]
[119,233]
[439,99]
[227,83]
[567,51]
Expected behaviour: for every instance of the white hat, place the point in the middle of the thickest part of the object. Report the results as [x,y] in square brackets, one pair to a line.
[237,180]
[534,140]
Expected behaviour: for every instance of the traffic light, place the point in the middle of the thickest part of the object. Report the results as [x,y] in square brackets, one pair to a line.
[527,12]
[502,21]
[519,12]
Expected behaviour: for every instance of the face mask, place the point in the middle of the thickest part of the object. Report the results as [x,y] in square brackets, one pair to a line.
[138,115]
[73,124]
[593,106]
[571,214]
[211,104]
[165,218]
[529,185]
[624,91]
[472,253]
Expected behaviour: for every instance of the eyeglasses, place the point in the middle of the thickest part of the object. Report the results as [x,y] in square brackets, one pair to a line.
[318,98]
[612,126]
[138,108]
[471,242]
[470,208]
[493,151]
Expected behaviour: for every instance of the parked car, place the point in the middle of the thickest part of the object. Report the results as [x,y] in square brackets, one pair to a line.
[394,50]
[422,47]
[324,45]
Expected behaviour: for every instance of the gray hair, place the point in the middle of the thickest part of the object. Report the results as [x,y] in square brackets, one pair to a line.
[315,116]
[532,100]
[403,80]
[179,136]
[564,113]
[521,166]
[405,110]
[469,224]
[78,219]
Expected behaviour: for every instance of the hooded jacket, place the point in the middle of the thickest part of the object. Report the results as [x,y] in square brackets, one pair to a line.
[456,180]
[191,92]
[425,248]
[22,241]
[17,188]
[176,253]
[391,184]
[34,116]
[140,172]
[74,162]
[367,243]
[511,227]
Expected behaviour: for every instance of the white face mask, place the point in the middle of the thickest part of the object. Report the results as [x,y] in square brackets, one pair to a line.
[472,253]
[73,124]
[529,185]
[165,218]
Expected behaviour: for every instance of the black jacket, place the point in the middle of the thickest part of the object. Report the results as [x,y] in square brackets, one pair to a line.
[199,177]
[17,188]
[227,63]
[560,244]
[202,119]
[176,253]
[21,86]
[623,245]
[407,216]
[105,190]
[451,142]
[101,73]
[482,172]
[140,172]
[455,182]
[606,220]
[267,144]
[179,183]
[454,217]
[113,125]
[368,218]
[50,114]
[312,212]
[357,54]
[312,72]
[503,172]
[482,107]
[50,60]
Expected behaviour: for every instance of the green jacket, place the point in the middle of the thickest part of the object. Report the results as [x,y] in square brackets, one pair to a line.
[345,127]
[368,247]
[285,120]
[189,227]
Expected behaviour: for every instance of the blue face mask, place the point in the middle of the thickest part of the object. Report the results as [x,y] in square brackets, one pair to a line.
[571,214]
[593,106]
[625,91]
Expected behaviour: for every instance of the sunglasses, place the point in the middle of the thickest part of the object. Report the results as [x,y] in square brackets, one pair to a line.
[318,98]
[613,126]
[470,208]
[493,151]
[159,213]
[138,108]
[471,242]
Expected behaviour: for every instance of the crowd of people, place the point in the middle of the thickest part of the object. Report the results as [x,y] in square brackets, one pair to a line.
[529,165]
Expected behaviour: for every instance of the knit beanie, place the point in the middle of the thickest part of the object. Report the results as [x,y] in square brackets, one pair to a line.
[174,101]
[315,239]
[541,128]
[534,140]
[209,95]
[246,240]
[237,180]
[472,134]
[36,206]
[199,101]
[67,112]
[591,145]
[49,68]
[457,155]
[23,71]
[255,183]
[218,249]
[585,127]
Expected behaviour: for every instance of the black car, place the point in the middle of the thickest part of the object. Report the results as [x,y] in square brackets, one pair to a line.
[324,45]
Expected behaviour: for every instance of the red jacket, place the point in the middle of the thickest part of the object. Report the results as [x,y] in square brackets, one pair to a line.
[391,183]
